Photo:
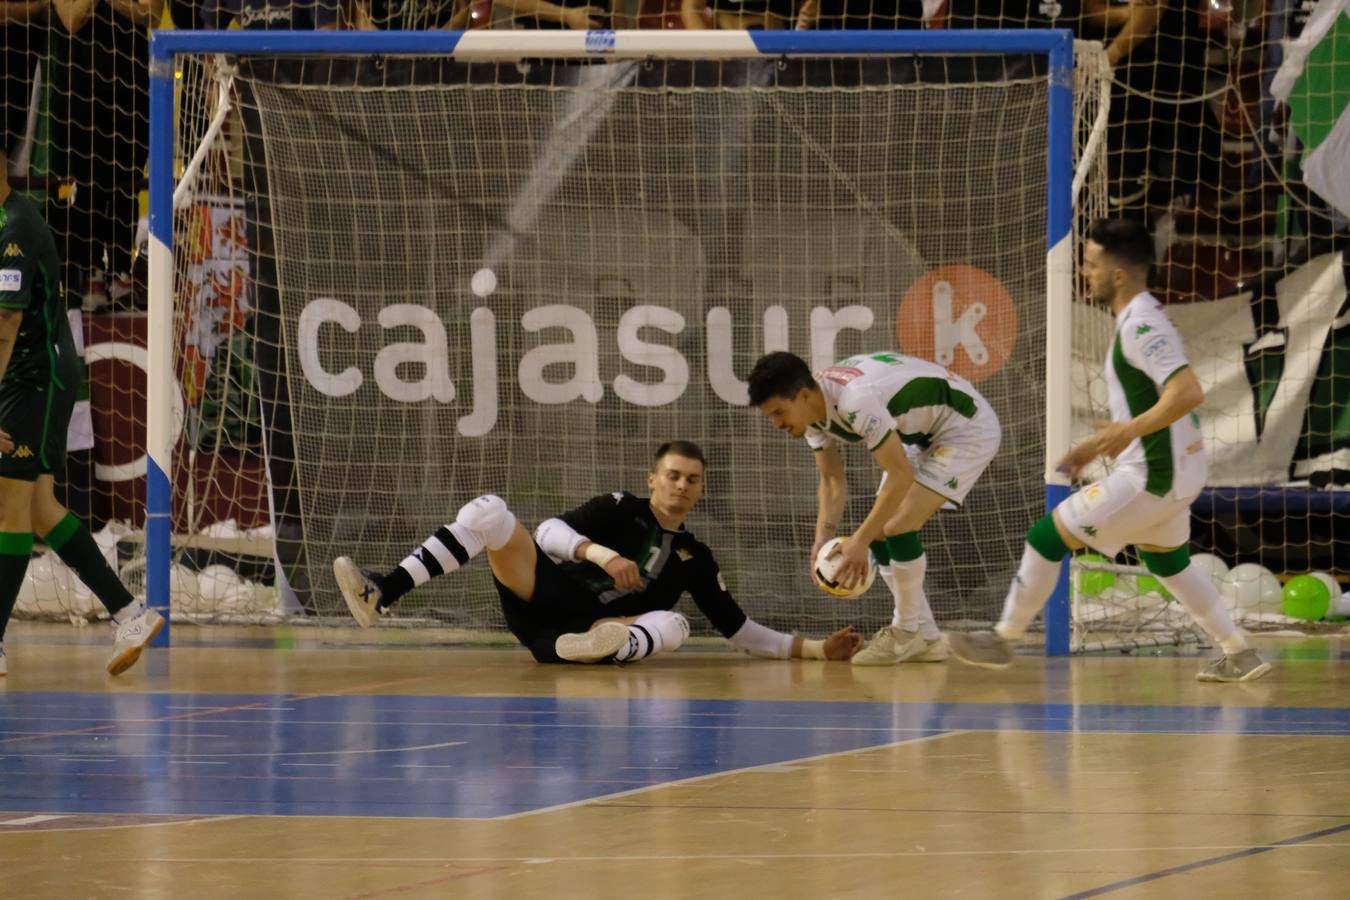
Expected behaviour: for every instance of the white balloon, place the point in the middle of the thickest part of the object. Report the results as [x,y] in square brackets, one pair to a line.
[1252,587]
[1213,565]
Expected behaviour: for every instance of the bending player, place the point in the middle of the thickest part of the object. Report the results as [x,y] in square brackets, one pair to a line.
[1154,437]
[596,584]
[931,433]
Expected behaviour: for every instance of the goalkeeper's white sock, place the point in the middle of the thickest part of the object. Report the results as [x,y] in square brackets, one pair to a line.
[654,632]
[1031,587]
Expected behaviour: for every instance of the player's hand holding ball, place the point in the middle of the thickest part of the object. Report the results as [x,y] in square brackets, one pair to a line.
[844,568]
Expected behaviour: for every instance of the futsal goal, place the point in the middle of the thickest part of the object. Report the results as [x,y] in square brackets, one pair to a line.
[392,271]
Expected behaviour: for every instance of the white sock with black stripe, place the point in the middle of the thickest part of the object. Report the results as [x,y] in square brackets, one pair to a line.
[445,551]
[654,632]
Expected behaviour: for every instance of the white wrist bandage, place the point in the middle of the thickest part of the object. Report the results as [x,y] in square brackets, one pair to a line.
[813,649]
[600,554]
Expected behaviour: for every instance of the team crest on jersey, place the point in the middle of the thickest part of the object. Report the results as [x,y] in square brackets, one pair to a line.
[12,249]
[841,374]
[683,554]
[1143,329]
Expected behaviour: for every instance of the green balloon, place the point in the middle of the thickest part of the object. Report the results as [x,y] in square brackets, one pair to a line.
[1148,584]
[1305,597]
[1091,582]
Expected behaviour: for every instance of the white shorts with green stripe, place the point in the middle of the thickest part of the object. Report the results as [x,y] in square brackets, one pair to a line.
[1118,510]
[956,459]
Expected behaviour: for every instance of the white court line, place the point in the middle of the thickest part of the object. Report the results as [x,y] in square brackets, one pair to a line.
[312,765]
[200,762]
[439,861]
[421,766]
[532,767]
[710,775]
[275,708]
[31,820]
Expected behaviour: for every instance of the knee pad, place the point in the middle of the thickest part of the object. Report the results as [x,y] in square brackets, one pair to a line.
[488,517]
[669,630]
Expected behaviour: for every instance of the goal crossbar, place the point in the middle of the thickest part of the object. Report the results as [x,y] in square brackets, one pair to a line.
[505,46]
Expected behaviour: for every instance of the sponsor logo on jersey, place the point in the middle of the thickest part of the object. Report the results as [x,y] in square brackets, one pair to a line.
[871,430]
[841,374]
[13,250]
[1157,345]
[11,280]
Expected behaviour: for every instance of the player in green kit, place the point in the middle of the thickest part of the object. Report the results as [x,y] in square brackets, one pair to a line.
[40,374]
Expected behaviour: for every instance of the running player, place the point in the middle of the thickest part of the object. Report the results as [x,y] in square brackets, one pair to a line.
[1154,437]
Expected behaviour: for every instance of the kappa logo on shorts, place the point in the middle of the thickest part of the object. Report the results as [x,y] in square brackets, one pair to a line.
[13,250]
[22,452]
[952,484]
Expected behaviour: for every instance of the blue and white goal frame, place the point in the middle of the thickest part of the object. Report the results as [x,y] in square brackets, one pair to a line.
[486,46]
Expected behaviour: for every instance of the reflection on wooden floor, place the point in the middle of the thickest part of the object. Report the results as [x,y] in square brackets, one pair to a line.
[281,762]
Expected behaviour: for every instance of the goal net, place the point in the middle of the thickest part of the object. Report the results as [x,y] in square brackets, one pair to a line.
[402,281]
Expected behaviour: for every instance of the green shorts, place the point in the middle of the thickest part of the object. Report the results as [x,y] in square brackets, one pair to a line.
[36,419]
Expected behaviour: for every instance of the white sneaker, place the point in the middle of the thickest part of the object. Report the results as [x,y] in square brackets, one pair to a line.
[359,590]
[4,666]
[601,642]
[130,638]
[936,650]
[890,645]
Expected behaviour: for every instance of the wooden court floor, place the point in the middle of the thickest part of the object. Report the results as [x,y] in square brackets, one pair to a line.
[292,763]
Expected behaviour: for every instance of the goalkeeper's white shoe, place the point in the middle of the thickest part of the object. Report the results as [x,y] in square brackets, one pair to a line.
[131,637]
[359,590]
[600,643]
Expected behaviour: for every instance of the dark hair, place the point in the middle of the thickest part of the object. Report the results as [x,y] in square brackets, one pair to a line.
[779,374]
[687,449]
[1126,241]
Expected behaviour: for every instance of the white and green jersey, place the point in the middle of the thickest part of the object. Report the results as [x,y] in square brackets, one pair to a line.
[1145,355]
[868,397]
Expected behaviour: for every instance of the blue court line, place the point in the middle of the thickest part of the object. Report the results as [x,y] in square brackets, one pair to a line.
[1203,863]
[482,757]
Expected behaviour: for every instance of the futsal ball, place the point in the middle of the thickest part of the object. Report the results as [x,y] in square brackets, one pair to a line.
[827,568]
[1092,582]
[1252,587]
[1305,597]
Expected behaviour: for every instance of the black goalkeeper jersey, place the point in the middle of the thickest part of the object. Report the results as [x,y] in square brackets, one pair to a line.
[672,562]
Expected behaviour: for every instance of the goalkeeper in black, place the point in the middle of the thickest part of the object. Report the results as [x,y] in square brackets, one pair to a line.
[597,584]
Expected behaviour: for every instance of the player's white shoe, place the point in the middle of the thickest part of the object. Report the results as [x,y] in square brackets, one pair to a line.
[985,649]
[936,650]
[130,638]
[601,642]
[890,645]
[1244,666]
[359,590]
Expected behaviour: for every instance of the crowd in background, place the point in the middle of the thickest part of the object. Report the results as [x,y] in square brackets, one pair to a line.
[1196,143]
